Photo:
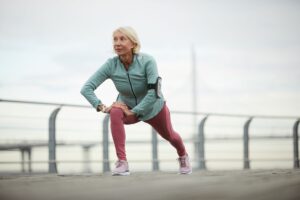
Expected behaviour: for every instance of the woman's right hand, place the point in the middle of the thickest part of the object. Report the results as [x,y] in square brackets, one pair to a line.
[107,109]
[116,105]
[101,108]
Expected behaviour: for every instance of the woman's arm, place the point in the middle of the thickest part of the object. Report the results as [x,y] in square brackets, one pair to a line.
[93,82]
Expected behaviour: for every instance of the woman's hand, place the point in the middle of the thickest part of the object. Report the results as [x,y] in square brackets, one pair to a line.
[101,108]
[107,109]
[124,108]
[128,112]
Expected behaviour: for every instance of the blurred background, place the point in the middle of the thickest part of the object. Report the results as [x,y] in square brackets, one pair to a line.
[232,57]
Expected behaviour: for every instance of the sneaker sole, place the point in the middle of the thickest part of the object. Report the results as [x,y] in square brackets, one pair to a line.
[186,173]
[121,173]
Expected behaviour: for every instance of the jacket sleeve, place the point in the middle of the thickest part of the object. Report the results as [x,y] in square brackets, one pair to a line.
[93,82]
[150,98]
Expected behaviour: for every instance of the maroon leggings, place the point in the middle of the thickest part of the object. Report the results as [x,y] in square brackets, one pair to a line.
[161,123]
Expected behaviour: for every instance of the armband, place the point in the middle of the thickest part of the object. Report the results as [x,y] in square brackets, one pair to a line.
[157,87]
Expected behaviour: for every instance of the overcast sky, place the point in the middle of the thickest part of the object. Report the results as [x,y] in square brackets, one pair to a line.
[247,52]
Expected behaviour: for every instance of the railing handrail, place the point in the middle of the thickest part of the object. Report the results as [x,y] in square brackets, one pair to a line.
[173,111]
[199,140]
[44,103]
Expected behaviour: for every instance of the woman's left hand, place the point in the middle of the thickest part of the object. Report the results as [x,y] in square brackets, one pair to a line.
[124,107]
[128,112]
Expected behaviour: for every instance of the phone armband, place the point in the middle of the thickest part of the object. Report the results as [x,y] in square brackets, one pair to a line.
[157,87]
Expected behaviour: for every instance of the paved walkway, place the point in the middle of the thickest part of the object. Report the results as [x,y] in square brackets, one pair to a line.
[201,185]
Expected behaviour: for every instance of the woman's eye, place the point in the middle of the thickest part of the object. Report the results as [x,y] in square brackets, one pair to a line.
[115,39]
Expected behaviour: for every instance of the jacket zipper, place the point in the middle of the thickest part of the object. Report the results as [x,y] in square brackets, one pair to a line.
[132,89]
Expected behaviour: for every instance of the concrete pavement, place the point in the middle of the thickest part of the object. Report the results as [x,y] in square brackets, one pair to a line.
[277,184]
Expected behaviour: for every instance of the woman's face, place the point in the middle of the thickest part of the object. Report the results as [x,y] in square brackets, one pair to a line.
[122,44]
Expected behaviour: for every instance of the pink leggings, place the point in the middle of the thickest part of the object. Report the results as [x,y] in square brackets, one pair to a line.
[161,123]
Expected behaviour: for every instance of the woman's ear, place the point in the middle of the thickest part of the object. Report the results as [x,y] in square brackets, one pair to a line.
[134,46]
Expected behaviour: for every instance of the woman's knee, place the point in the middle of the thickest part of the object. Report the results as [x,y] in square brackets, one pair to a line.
[116,113]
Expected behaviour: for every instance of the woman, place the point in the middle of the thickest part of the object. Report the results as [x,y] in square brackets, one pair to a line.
[135,76]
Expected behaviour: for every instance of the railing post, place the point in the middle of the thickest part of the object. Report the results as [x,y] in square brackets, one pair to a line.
[52,141]
[86,158]
[105,145]
[295,142]
[246,143]
[201,144]
[155,162]
[23,159]
[29,160]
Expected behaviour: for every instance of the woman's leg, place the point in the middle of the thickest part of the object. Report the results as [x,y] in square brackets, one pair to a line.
[162,124]
[117,121]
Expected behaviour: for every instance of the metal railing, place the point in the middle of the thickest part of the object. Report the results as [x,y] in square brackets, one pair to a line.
[199,141]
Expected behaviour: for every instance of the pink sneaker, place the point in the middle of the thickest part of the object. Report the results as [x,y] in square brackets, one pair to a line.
[184,165]
[121,168]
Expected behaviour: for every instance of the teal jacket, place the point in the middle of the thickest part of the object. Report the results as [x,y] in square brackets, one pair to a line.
[132,85]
